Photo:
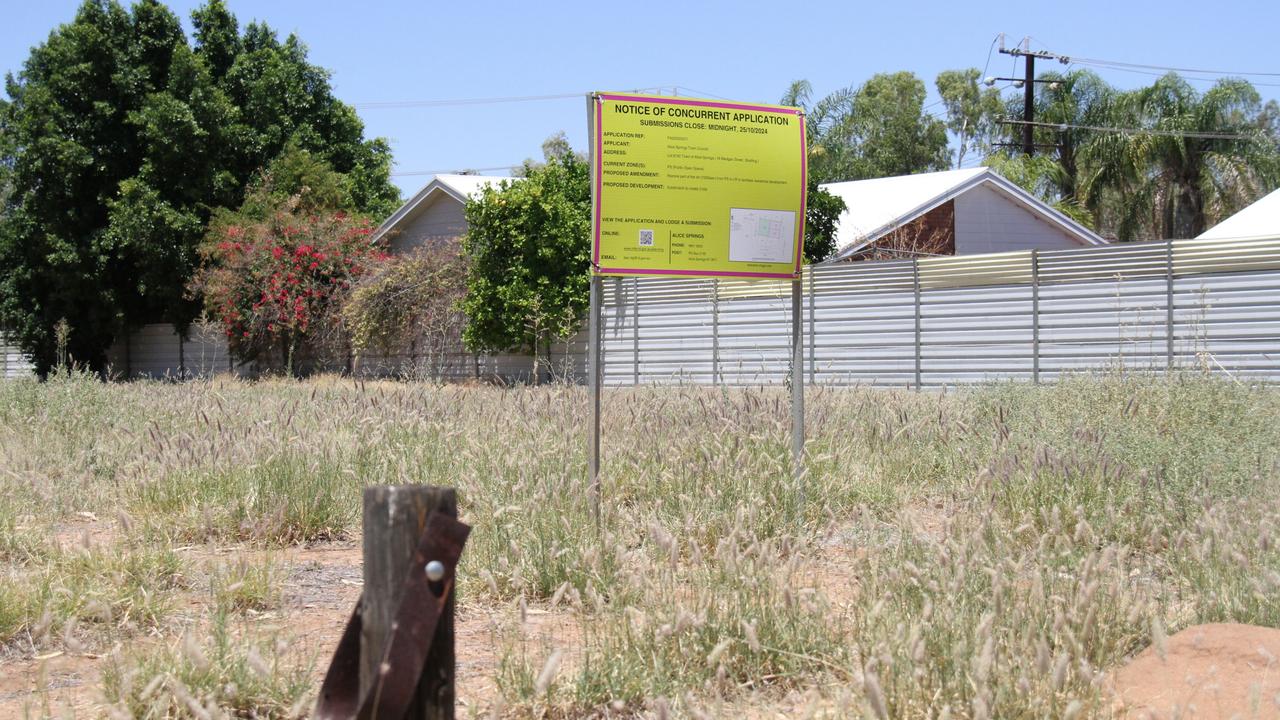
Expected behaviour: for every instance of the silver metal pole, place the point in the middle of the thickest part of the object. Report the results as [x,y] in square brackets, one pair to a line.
[595,376]
[1168,304]
[1035,316]
[635,328]
[715,331]
[915,282]
[595,353]
[813,337]
[797,386]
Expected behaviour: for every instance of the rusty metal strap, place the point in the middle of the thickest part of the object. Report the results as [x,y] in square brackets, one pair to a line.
[421,603]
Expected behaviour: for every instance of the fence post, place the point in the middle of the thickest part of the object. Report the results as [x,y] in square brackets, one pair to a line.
[915,282]
[715,331]
[635,329]
[394,518]
[1168,301]
[813,337]
[1035,316]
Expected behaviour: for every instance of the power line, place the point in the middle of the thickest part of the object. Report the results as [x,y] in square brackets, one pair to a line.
[990,49]
[463,101]
[1154,73]
[396,104]
[1136,131]
[1151,69]
[451,171]
[1028,92]
[1166,68]
[700,93]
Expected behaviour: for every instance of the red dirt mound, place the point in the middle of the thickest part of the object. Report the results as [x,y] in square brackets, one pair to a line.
[1209,672]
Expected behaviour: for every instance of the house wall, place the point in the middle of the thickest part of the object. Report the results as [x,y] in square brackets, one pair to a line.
[440,221]
[988,221]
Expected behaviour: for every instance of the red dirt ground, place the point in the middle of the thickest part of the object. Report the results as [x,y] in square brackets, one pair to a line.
[1211,672]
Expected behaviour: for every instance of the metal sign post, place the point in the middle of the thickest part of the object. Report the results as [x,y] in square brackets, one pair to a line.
[797,389]
[683,187]
[595,377]
[595,373]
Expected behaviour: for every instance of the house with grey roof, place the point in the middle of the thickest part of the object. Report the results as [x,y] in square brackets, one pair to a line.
[435,213]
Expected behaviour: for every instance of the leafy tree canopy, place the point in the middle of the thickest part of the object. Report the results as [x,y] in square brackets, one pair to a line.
[821,216]
[1163,161]
[121,138]
[972,111]
[878,130]
[1209,155]
[528,245]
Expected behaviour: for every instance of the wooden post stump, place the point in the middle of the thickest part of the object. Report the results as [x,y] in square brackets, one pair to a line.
[394,518]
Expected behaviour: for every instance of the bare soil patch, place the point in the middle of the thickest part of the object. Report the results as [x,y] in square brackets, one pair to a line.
[1215,671]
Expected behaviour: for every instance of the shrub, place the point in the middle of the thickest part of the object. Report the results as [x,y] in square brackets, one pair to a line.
[411,303]
[276,284]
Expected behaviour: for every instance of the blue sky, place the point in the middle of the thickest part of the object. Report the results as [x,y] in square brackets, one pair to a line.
[751,51]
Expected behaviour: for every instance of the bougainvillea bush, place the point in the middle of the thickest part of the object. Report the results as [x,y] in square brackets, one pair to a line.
[277,284]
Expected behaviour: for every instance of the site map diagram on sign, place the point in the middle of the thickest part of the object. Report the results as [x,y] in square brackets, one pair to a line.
[696,187]
[761,235]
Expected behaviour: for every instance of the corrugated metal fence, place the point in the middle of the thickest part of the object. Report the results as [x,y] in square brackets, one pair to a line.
[1032,315]
[1028,315]
[13,363]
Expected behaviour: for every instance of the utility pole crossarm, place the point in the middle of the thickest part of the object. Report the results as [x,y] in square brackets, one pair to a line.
[1028,89]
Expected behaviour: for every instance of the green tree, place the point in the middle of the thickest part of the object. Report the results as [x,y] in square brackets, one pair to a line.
[895,135]
[821,216]
[878,130]
[121,139]
[6,157]
[1206,155]
[528,245]
[1073,101]
[972,111]
[554,147]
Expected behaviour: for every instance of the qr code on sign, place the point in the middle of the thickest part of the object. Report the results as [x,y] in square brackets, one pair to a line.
[646,238]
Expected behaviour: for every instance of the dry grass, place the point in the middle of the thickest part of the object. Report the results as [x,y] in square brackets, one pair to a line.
[1070,525]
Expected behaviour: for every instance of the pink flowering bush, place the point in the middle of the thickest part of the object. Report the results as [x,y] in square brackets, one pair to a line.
[276,285]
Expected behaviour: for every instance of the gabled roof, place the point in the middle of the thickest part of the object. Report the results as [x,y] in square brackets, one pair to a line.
[879,206]
[458,187]
[1261,219]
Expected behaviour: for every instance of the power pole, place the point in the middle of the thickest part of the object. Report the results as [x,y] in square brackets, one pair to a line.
[1028,82]
[1029,105]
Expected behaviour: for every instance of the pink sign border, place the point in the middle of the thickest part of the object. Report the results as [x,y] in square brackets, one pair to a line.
[599,167]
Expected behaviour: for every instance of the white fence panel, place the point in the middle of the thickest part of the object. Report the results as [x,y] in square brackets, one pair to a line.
[13,364]
[970,319]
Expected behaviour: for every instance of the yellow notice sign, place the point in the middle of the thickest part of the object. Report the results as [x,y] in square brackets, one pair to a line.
[696,187]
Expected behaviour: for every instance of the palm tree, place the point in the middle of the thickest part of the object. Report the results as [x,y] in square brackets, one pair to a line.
[1195,158]
[1073,101]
